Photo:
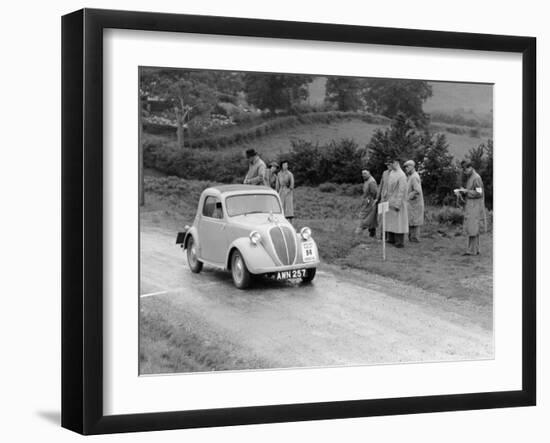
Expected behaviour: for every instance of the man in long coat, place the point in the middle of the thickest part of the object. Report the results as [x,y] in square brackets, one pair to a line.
[474,207]
[415,201]
[397,221]
[368,212]
[382,194]
[256,169]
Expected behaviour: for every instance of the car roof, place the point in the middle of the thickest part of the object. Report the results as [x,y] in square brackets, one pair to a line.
[239,189]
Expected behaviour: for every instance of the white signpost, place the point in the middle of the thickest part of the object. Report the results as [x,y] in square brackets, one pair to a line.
[382,209]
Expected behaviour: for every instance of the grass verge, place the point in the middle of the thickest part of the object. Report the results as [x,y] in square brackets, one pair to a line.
[171,340]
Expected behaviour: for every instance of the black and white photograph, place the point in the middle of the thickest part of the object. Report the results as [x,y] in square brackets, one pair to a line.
[312,221]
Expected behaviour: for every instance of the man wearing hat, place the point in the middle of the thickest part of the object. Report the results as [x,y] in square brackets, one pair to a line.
[271,175]
[256,169]
[397,221]
[474,207]
[415,201]
[382,194]
[368,211]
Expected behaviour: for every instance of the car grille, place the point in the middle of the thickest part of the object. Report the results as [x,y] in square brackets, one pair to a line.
[284,241]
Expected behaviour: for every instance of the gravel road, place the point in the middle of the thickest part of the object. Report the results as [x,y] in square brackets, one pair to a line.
[345,317]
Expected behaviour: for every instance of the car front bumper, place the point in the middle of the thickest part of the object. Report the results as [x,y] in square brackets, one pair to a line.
[275,268]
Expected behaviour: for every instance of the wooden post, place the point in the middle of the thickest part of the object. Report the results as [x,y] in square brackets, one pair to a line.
[383,208]
[384,236]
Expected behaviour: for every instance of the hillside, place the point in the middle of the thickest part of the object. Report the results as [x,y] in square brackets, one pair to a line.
[358,130]
[361,132]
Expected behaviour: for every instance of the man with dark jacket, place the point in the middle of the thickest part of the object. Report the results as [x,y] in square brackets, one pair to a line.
[368,212]
[256,169]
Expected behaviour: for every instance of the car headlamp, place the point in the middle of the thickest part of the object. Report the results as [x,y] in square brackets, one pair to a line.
[305,233]
[255,237]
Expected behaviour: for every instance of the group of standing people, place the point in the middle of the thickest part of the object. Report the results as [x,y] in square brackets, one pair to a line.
[403,192]
[402,189]
[405,201]
[277,177]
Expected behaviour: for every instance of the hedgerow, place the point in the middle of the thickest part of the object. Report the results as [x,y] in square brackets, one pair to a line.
[259,127]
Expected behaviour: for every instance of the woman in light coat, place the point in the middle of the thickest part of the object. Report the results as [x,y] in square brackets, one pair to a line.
[285,187]
[397,220]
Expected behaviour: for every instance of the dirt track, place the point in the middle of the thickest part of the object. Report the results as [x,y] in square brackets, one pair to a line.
[344,318]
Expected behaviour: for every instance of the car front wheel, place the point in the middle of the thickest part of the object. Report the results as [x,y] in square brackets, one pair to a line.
[310,275]
[194,263]
[239,271]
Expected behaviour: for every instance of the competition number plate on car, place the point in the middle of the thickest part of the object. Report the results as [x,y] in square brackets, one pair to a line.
[293,273]
[308,253]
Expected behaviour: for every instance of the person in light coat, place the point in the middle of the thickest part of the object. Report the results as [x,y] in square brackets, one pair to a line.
[474,208]
[382,194]
[415,201]
[397,220]
[285,187]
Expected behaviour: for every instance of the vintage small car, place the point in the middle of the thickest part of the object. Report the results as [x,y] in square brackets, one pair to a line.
[242,228]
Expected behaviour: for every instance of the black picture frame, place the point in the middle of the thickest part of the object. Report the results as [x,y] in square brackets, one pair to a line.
[82,218]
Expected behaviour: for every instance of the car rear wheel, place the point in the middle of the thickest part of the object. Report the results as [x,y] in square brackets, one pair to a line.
[239,271]
[194,263]
[310,275]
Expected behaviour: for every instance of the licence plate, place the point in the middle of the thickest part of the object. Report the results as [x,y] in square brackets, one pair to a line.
[293,273]
[308,253]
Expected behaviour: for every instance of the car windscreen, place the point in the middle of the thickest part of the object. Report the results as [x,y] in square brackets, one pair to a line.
[252,204]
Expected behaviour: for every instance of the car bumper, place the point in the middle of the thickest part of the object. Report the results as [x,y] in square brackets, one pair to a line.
[273,269]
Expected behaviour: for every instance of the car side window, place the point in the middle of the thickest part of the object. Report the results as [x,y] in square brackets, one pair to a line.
[212,207]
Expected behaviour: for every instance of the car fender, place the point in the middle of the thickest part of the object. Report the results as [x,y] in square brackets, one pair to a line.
[192,231]
[255,256]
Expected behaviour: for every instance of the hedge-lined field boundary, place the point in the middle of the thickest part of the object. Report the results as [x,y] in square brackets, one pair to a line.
[312,164]
[238,134]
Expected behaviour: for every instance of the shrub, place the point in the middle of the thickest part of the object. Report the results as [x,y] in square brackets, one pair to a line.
[194,163]
[337,162]
[328,187]
[438,172]
[401,139]
[306,162]
[352,190]
[482,161]
[446,215]
[455,130]
[343,160]
[474,132]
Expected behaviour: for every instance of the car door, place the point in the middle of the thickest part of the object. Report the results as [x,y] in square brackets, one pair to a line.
[212,231]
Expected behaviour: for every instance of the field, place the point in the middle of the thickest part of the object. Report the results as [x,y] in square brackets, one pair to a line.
[361,132]
[435,264]
[358,130]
